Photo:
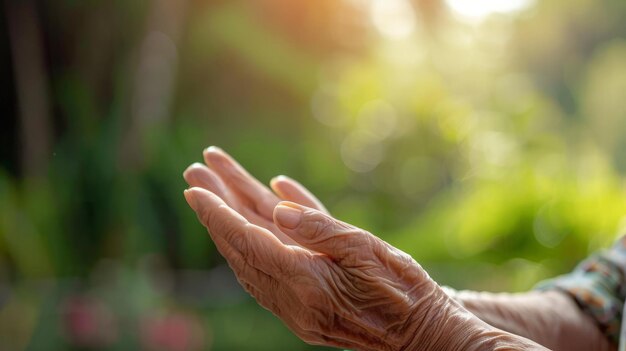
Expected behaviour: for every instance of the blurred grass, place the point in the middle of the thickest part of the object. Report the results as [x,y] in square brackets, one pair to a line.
[489,149]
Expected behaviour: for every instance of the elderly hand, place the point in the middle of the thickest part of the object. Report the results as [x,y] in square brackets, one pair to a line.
[331,283]
[244,193]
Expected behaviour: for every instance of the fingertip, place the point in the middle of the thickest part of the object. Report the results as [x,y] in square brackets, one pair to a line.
[214,156]
[191,199]
[213,148]
[186,172]
[273,181]
[201,193]
[213,152]
[207,154]
[286,215]
[196,165]
[189,170]
[280,206]
[277,183]
[280,178]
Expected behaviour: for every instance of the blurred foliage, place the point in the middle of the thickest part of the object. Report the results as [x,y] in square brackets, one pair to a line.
[489,148]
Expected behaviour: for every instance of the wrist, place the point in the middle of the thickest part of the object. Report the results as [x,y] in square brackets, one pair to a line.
[444,324]
[550,318]
[440,323]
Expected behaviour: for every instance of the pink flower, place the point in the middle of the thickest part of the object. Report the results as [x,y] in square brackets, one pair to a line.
[87,322]
[171,332]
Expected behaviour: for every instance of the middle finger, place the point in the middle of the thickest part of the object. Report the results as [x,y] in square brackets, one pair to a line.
[238,178]
[200,176]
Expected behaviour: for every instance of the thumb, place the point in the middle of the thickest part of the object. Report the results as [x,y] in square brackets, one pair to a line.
[290,190]
[320,232]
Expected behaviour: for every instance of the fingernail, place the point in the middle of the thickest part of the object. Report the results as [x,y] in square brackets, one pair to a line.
[192,166]
[191,199]
[204,179]
[213,149]
[288,217]
[216,157]
[279,178]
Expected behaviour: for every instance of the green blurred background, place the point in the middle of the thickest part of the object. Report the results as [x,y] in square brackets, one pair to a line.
[485,138]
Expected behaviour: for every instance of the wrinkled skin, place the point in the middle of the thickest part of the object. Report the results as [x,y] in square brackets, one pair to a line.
[330,282]
[550,318]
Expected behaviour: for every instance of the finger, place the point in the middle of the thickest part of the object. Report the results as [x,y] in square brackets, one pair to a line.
[290,190]
[239,241]
[238,178]
[322,233]
[198,175]
[246,274]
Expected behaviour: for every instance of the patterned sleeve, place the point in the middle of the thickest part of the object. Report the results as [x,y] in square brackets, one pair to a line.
[598,285]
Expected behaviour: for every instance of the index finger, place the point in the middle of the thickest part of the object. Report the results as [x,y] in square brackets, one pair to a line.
[239,241]
[236,176]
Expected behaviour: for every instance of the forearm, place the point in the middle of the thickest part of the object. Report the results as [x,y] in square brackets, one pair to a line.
[549,318]
[449,326]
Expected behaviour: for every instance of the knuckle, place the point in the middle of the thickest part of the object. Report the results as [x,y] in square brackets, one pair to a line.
[357,249]
[212,218]
[317,224]
[238,239]
[207,218]
[226,229]
[221,224]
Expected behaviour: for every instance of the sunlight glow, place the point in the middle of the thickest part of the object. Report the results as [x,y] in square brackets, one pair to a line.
[395,19]
[480,9]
